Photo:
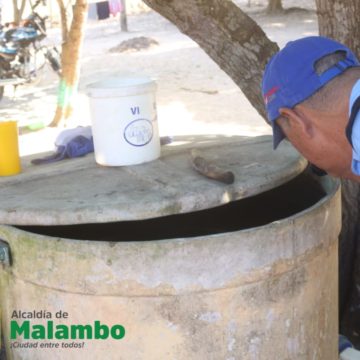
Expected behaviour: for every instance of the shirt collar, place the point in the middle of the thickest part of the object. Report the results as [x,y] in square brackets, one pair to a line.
[355,93]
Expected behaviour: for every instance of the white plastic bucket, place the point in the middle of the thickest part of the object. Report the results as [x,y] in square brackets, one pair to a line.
[124,121]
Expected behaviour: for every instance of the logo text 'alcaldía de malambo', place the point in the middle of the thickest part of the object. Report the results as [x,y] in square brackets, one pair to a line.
[24,328]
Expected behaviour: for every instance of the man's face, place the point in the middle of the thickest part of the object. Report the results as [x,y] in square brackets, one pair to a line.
[320,139]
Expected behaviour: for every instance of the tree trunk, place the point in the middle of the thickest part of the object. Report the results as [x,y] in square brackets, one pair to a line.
[123,16]
[274,6]
[70,64]
[338,19]
[18,11]
[64,20]
[230,37]
[17,17]
[22,7]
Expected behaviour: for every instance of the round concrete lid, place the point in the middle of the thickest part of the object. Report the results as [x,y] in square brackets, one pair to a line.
[79,191]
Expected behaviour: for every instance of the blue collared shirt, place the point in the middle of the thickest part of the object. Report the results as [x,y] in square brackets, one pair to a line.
[355,134]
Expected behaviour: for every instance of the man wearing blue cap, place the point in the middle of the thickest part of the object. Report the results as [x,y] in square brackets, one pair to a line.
[311,90]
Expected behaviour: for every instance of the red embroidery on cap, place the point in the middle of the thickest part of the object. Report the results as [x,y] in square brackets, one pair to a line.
[270,95]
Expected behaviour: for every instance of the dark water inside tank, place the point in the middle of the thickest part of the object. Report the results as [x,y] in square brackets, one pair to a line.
[284,201]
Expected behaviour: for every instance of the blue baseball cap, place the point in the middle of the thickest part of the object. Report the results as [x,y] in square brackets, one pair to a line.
[290,75]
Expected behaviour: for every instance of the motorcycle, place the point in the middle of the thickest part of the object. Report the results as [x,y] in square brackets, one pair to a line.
[22,55]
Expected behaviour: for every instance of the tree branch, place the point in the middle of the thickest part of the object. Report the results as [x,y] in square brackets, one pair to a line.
[64,20]
[230,37]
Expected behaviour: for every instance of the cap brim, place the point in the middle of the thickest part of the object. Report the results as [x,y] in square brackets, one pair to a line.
[278,135]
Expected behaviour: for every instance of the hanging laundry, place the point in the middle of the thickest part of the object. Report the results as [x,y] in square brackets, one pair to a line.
[92,12]
[103,10]
[115,7]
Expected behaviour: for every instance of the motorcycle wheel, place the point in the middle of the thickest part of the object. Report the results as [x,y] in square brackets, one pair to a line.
[53,57]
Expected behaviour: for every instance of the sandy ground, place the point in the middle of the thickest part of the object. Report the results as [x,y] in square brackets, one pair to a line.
[194,95]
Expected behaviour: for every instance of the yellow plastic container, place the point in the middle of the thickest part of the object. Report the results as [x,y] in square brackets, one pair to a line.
[9,148]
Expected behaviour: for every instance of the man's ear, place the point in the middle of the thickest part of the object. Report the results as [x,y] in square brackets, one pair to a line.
[298,121]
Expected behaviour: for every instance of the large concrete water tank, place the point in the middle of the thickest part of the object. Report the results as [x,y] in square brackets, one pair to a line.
[191,268]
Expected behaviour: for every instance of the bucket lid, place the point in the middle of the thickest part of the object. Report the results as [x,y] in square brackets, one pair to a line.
[121,86]
[79,191]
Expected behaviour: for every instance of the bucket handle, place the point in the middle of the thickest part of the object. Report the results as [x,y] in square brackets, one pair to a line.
[5,254]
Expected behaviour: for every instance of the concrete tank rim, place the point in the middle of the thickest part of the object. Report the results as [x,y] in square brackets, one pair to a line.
[176,266]
[334,183]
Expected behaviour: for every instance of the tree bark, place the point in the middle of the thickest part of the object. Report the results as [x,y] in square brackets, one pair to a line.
[230,37]
[64,20]
[70,64]
[22,8]
[338,19]
[274,6]
[18,11]
[123,16]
